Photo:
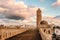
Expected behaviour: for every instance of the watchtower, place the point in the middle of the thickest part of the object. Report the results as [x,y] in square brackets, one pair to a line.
[39,17]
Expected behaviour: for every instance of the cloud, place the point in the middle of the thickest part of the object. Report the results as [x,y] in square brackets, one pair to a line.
[10,22]
[57,3]
[16,9]
[3,9]
[12,12]
[14,17]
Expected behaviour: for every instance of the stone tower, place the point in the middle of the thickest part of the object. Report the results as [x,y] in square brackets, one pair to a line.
[39,17]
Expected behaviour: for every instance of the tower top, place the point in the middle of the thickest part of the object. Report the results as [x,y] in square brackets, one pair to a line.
[38,10]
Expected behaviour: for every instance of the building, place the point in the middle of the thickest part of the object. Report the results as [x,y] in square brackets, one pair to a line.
[45,29]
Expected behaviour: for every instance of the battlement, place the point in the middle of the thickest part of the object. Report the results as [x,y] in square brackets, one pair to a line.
[6,33]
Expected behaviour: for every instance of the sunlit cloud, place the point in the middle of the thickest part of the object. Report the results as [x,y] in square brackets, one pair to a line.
[12,10]
[17,8]
[3,9]
[57,3]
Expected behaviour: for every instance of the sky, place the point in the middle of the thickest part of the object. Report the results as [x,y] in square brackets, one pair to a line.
[51,7]
[20,11]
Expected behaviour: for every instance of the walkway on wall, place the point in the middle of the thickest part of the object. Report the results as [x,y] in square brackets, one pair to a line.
[29,35]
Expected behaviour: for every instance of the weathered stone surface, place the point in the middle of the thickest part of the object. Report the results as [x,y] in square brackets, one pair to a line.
[29,35]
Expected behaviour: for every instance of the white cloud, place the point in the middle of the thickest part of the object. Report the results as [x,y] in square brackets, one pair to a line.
[52,20]
[57,3]
[3,9]
[17,8]
[10,7]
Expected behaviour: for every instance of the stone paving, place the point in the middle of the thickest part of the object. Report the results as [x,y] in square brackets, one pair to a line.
[29,35]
